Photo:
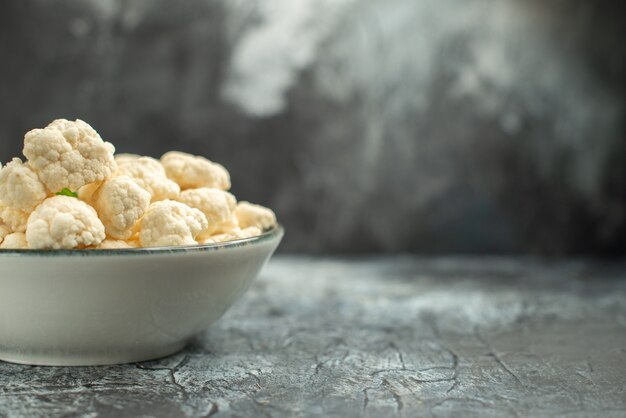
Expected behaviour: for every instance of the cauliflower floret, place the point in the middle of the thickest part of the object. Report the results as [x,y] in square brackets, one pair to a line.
[249,214]
[236,233]
[63,222]
[69,154]
[192,172]
[86,193]
[149,174]
[120,203]
[170,223]
[217,205]
[16,219]
[15,241]
[20,187]
[20,192]
[125,157]
[4,231]
[115,244]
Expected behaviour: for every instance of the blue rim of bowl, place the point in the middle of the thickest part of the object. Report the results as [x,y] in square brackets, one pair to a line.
[274,233]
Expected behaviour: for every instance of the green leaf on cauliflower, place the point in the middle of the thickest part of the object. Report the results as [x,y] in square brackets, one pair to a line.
[67,192]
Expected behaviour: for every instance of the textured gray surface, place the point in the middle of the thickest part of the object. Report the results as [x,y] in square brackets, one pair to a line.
[397,336]
[368,125]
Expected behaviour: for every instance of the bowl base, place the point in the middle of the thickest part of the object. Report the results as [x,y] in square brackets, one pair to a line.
[54,358]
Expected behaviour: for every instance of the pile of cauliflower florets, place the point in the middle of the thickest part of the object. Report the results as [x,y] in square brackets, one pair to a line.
[74,193]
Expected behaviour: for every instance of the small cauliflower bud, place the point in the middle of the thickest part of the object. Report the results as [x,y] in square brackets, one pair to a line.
[170,223]
[234,234]
[120,202]
[16,219]
[4,231]
[63,222]
[20,188]
[115,244]
[193,172]
[69,155]
[87,192]
[125,157]
[217,205]
[149,174]
[14,241]
[249,214]
[20,192]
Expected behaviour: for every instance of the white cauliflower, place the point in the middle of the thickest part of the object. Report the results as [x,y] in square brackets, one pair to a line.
[192,172]
[69,154]
[20,192]
[4,231]
[124,201]
[86,193]
[217,205]
[20,187]
[16,219]
[115,244]
[149,174]
[125,157]
[170,223]
[63,222]
[15,241]
[233,234]
[120,203]
[249,214]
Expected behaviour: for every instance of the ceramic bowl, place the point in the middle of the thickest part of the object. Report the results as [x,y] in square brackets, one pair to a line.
[93,307]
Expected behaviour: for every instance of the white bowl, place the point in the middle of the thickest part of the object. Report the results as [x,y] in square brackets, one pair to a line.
[91,307]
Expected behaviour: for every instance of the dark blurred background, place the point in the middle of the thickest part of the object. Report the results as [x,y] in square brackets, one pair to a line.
[476,126]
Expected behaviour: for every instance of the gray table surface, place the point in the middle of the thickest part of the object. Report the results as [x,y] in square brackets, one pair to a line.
[378,337]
